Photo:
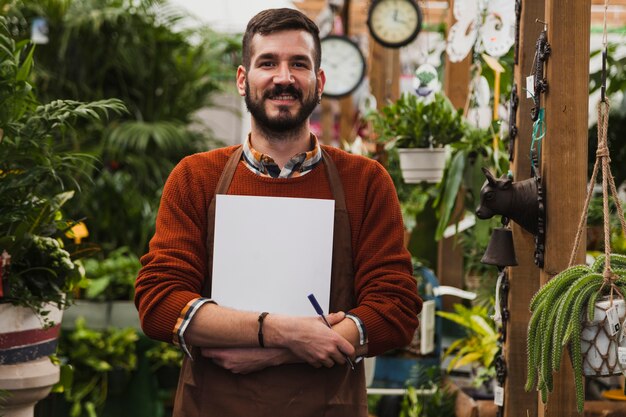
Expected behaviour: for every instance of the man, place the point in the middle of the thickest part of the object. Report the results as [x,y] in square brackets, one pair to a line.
[243,363]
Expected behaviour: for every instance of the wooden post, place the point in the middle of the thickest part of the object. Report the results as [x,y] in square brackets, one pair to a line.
[524,278]
[456,83]
[564,159]
[456,76]
[384,73]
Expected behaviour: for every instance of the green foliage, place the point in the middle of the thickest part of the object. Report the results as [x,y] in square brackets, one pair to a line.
[164,355]
[92,356]
[412,123]
[480,345]
[135,51]
[37,180]
[557,312]
[463,173]
[616,72]
[439,403]
[112,278]
[616,138]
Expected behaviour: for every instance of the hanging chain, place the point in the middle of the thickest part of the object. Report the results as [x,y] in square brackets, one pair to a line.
[500,361]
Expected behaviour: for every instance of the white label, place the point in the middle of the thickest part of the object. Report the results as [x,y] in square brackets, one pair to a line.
[427,327]
[613,319]
[530,86]
[621,355]
[498,396]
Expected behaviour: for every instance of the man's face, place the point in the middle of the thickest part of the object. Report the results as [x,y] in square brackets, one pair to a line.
[281,87]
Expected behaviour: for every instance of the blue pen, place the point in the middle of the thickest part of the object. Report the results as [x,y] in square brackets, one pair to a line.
[320,312]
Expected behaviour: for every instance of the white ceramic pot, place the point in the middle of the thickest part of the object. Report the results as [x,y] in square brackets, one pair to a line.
[422,164]
[599,349]
[26,372]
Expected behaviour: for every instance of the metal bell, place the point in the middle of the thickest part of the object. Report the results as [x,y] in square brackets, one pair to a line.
[500,251]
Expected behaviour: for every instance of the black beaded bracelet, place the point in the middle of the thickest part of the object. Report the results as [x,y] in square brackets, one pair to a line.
[261,318]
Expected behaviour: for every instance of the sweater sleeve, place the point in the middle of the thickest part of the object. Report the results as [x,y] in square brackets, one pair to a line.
[173,270]
[386,292]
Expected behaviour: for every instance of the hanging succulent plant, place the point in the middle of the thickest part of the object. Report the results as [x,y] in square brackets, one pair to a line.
[558,312]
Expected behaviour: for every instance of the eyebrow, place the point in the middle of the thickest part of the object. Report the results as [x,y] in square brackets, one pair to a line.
[299,58]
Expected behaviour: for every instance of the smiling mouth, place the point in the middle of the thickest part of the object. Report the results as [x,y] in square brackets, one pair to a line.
[285,94]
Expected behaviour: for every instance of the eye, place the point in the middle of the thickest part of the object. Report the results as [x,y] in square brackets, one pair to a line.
[490,195]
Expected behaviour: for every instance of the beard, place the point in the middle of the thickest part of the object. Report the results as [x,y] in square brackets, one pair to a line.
[285,122]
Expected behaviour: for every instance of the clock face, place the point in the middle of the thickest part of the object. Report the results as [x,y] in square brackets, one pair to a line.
[344,65]
[394,23]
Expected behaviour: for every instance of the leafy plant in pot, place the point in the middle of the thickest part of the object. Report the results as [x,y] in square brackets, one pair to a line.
[418,128]
[478,348]
[37,273]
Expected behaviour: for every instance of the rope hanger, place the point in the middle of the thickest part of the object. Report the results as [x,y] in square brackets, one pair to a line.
[603,160]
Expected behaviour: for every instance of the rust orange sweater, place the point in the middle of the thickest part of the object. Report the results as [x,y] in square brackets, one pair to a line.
[175,266]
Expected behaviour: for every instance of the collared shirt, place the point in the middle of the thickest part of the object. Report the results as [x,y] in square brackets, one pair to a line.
[299,164]
[262,165]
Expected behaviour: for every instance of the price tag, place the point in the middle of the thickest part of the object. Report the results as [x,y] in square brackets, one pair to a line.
[621,355]
[530,86]
[613,319]
[498,396]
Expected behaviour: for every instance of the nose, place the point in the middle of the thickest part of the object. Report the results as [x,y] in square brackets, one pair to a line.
[283,74]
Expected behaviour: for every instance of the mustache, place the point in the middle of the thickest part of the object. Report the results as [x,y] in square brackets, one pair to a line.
[279,90]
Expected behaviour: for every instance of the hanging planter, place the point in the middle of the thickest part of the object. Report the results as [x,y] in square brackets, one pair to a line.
[582,307]
[598,342]
[419,165]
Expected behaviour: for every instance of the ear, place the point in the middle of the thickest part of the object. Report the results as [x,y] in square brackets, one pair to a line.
[241,80]
[489,176]
[321,81]
[505,182]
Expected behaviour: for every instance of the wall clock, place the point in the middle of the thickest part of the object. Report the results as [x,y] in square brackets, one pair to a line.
[394,23]
[344,65]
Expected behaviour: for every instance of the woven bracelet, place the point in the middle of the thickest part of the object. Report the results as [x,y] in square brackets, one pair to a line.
[261,318]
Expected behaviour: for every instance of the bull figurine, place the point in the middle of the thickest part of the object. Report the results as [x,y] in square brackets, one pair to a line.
[518,201]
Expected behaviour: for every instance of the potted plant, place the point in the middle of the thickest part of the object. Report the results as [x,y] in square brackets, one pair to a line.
[477,348]
[37,271]
[419,131]
[571,310]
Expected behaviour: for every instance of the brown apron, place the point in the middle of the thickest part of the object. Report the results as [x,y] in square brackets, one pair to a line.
[294,390]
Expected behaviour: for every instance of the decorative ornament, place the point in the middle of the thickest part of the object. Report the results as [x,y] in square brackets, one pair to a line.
[487,26]
[426,82]
[539,84]
[480,115]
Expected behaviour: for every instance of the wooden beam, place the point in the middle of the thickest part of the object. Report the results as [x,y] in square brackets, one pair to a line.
[456,75]
[384,73]
[524,278]
[456,87]
[564,159]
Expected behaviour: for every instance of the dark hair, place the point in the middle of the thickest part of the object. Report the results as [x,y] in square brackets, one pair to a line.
[276,20]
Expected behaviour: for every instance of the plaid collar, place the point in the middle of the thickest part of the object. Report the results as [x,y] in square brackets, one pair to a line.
[299,164]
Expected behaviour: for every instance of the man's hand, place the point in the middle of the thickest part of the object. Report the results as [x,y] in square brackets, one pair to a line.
[246,360]
[310,339]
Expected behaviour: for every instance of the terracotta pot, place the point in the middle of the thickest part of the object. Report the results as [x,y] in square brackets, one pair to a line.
[26,372]
[422,164]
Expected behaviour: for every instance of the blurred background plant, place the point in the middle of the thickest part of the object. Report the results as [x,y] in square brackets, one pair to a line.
[439,401]
[38,178]
[478,348]
[139,52]
[93,358]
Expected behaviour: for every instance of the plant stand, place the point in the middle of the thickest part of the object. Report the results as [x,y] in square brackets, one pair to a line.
[26,383]
[26,373]
[421,164]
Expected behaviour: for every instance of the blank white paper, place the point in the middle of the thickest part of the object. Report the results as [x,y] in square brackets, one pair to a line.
[270,253]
